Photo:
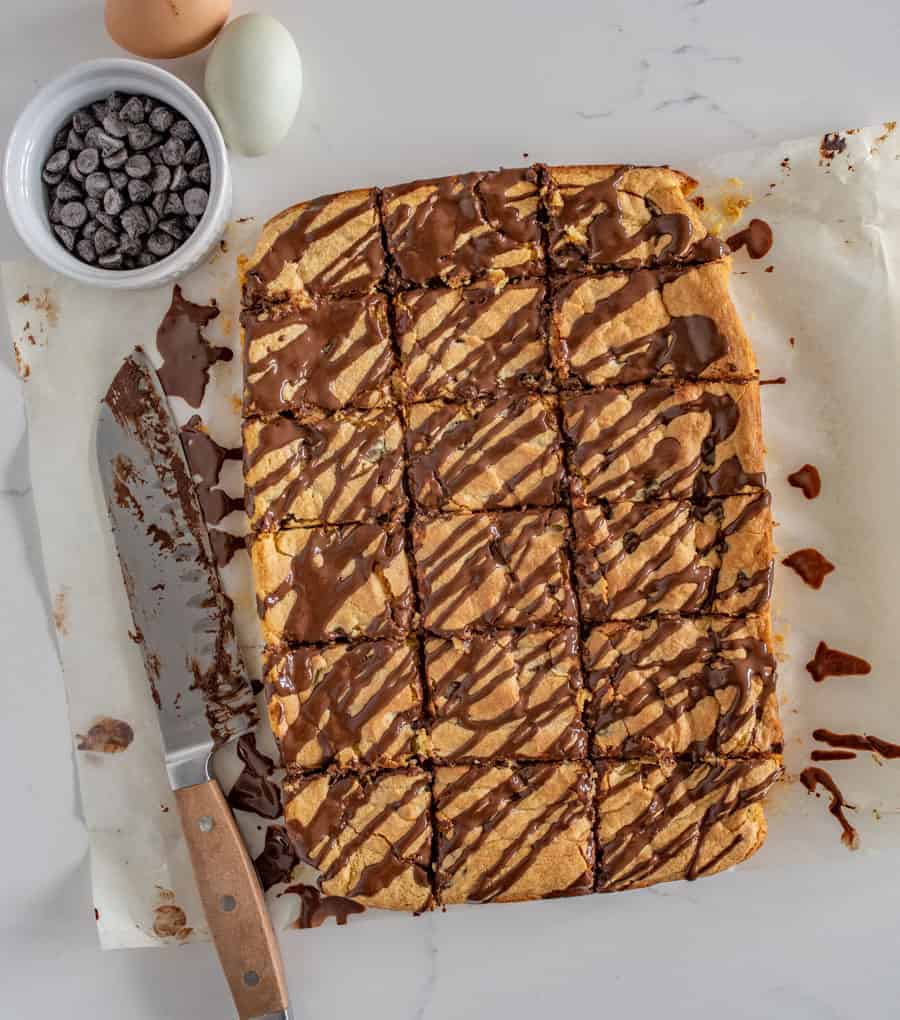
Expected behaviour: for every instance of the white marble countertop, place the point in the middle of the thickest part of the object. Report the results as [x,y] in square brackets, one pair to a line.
[394,91]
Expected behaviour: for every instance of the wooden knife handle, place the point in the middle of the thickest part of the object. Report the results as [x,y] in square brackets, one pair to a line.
[233,903]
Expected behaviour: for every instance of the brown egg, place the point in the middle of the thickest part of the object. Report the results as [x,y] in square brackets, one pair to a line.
[161,29]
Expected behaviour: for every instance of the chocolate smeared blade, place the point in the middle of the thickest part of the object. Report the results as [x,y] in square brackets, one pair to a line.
[181,615]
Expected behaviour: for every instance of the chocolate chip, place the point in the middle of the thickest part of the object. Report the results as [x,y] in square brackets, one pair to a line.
[113,202]
[146,259]
[87,161]
[50,178]
[140,137]
[179,179]
[160,178]
[99,110]
[74,141]
[138,165]
[129,245]
[161,118]
[173,152]
[113,261]
[184,130]
[116,159]
[68,189]
[93,205]
[119,179]
[193,154]
[173,228]
[55,211]
[152,216]
[190,222]
[58,161]
[115,126]
[65,235]
[133,111]
[160,244]
[111,223]
[156,156]
[74,172]
[105,241]
[86,250]
[73,214]
[109,143]
[95,184]
[90,228]
[195,200]
[83,120]
[139,191]
[59,139]
[174,206]
[114,101]
[200,174]
[159,202]
[92,137]
[134,221]
[148,105]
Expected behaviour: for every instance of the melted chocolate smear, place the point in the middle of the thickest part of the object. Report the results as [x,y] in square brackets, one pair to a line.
[278,858]
[254,791]
[830,662]
[832,755]
[808,480]
[858,742]
[224,546]
[831,145]
[106,736]
[187,356]
[811,565]
[316,908]
[756,237]
[811,778]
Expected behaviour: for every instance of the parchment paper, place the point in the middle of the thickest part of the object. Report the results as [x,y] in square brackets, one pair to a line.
[831,283]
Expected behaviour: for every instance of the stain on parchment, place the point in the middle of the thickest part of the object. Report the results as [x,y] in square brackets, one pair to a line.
[170,922]
[60,610]
[106,736]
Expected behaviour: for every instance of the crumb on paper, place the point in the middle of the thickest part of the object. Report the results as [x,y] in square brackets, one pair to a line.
[792,341]
[245,219]
[699,201]
[889,127]
[96,914]
[223,246]
[170,922]
[45,302]
[22,367]
[60,610]
[106,736]
[23,299]
[770,269]
[164,808]
[734,204]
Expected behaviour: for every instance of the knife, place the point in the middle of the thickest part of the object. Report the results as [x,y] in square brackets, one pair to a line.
[184,628]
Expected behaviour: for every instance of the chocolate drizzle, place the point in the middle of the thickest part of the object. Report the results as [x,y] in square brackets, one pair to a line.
[808,480]
[187,356]
[253,790]
[453,229]
[328,354]
[756,237]
[811,778]
[831,662]
[811,565]
[315,909]
[858,742]
[277,859]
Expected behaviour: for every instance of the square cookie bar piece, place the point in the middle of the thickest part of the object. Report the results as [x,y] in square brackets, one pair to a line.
[639,559]
[656,442]
[331,245]
[462,343]
[504,452]
[327,354]
[318,584]
[510,833]
[694,686]
[623,328]
[345,704]
[322,469]
[509,695]
[369,835]
[657,823]
[502,569]
[624,216]
[454,229]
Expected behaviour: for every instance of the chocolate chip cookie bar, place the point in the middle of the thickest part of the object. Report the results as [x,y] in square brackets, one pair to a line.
[511,537]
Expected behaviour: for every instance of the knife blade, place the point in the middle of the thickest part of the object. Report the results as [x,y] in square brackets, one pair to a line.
[183,625]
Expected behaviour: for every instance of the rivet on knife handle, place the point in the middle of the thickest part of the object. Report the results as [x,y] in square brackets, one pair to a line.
[233,903]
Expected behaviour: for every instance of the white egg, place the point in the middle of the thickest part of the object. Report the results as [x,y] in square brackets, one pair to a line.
[253,83]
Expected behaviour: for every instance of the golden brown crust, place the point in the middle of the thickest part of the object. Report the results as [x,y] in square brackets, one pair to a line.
[513,833]
[369,835]
[625,328]
[657,823]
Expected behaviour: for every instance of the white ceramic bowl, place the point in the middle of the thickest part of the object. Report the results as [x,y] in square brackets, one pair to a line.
[31,142]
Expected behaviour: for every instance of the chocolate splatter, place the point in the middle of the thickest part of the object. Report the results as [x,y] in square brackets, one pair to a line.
[830,662]
[278,858]
[811,778]
[811,565]
[831,145]
[106,736]
[858,742]
[316,908]
[187,356]
[807,479]
[254,791]
[756,237]
[205,458]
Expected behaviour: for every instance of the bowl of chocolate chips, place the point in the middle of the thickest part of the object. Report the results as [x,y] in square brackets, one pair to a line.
[116,175]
